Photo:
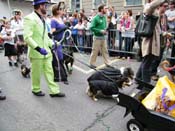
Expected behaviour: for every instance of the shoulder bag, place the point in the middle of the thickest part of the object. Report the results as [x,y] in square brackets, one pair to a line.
[145,25]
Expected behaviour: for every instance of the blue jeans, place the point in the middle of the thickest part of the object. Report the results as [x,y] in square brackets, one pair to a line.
[128,44]
[80,42]
[120,42]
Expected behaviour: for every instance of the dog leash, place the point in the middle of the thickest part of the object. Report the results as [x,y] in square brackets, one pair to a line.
[92,68]
[68,37]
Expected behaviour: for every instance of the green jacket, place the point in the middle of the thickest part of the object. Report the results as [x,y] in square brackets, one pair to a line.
[34,36]
[98,23]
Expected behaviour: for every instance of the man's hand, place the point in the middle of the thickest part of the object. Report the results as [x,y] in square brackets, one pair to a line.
[104,32]
[42,51]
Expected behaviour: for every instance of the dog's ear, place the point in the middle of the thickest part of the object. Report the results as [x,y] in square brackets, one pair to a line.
[120,81]
[130,72]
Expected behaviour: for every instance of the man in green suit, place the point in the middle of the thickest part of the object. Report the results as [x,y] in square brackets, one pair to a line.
[36,37]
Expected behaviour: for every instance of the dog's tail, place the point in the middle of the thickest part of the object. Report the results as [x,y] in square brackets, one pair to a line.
[165,66]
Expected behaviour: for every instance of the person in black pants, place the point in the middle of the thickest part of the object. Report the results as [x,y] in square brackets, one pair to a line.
[172,60]
[151,45]
[156,61]
[163,42]
[143,71]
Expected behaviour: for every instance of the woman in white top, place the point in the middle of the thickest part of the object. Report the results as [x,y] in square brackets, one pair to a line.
[17,26]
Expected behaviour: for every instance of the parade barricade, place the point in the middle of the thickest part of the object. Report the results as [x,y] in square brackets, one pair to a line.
[128,33]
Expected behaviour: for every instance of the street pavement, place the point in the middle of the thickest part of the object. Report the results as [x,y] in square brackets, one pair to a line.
[22,111]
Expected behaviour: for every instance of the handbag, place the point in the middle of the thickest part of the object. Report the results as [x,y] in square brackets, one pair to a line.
[145,25]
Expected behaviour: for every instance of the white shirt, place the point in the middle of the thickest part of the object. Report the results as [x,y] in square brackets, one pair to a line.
[170,13]
[17,26]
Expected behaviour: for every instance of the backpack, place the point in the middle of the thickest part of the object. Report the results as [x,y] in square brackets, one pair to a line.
[145,25]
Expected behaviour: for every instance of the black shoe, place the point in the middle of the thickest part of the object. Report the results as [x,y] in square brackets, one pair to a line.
[2,97]
[40,93]
[93,66]
[66,82]
[58,95]
[56,80]
[10,63]
[16,64]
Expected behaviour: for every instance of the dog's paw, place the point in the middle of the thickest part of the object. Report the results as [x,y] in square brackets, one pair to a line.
[89,94]
[94,98]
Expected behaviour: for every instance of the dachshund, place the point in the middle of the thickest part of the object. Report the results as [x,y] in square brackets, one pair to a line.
[171,70]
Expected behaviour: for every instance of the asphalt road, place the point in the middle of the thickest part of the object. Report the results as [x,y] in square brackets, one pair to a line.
[22,111]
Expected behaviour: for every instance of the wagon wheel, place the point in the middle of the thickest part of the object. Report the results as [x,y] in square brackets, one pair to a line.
[134,125]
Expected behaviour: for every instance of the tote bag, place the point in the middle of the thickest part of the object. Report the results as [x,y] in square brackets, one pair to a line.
[145,25]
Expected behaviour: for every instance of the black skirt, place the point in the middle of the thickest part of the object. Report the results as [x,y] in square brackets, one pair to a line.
[10,50]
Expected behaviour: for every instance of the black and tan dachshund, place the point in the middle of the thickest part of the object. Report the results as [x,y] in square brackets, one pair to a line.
[108,81]
[68,58]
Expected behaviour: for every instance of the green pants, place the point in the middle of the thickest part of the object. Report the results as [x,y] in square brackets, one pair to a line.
[39,66]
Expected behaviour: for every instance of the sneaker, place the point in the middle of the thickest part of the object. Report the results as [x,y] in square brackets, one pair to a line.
[16,64]
[10,63]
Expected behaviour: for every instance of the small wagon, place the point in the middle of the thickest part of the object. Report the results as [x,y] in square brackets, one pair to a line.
[143,117]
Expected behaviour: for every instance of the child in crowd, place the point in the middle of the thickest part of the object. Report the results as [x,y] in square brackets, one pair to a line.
[125,25]
[80,27]
[111,33]
[10,47]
